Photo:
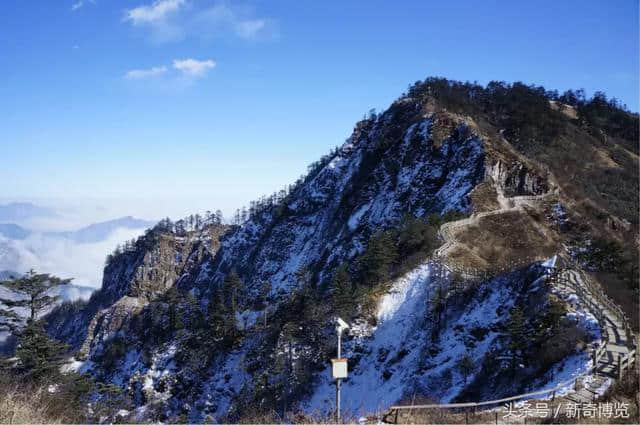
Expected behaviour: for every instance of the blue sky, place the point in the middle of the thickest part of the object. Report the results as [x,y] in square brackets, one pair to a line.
[175,106]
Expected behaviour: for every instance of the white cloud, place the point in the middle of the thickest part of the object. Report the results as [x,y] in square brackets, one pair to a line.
[79,3]
[222,16]
[181,74]
[193,67]
[158,11]
[171,20]
[65,258]
[249,28]
[140,74]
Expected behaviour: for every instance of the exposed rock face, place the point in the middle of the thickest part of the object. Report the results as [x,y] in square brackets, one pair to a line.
[131,280]
[108,322]
[517,179]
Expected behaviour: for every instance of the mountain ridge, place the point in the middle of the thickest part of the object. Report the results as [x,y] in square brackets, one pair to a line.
[160,324]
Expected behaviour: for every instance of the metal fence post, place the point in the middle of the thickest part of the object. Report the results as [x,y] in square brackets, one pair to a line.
[619,366]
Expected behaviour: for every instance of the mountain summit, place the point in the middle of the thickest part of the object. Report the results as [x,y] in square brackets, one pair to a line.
[429,230]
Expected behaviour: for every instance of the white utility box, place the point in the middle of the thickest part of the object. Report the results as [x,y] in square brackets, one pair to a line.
[339,368]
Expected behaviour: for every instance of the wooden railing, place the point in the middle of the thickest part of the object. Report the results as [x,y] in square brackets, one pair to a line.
[624,361]
[394,410]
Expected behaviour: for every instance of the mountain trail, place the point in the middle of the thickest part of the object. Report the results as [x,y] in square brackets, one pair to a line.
[507,204]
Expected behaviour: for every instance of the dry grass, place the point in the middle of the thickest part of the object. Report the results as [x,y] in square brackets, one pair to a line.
[484,197]
[445,416]
[567,110]
[621,294]
[27,408]
[501,240]
[272,417]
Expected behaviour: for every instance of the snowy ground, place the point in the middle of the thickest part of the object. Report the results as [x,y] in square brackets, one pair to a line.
[397,357]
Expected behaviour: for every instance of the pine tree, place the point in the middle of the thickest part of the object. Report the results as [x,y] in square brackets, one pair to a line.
[438,304]
[231,288]
[343,297]
[35,292]
[516,328]
[219,217]
[466,366]
[226,305]
[376,261]
[38,355]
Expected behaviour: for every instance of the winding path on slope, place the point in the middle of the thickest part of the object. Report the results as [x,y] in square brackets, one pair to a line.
[616,351]
[507,204]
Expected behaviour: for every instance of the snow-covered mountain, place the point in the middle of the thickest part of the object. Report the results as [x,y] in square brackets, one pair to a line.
[210,322]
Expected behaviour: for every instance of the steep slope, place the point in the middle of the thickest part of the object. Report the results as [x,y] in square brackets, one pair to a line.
[142,272]
[372,182]
[369,184]
[210,324]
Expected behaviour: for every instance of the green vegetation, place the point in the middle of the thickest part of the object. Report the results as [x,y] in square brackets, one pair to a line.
[38,355]
[609,256]
[389,254]
[525,113]
[437,306]
[34,292]
[466,366]
[343,299]
[32,386]
[517,331]
[375,263]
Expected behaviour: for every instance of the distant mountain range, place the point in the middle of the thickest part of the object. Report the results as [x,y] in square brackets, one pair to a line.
[13,231]
[79,254]
[92,233]
[23,210]
[100,231]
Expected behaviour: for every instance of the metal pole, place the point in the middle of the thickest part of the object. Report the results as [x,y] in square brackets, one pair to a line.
[338,383]
[338,401]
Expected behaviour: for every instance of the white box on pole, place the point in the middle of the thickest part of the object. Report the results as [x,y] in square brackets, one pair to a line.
[339,370]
